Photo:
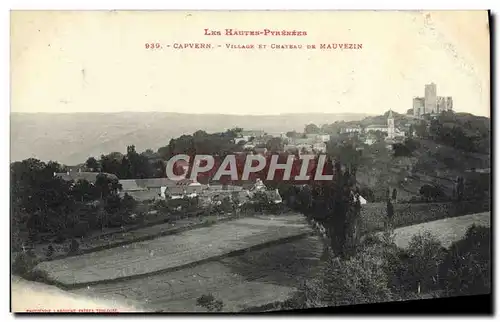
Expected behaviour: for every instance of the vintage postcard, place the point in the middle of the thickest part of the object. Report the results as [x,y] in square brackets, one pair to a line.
[249,161]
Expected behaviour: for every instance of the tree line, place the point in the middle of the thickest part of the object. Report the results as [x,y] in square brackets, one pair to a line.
[47,206]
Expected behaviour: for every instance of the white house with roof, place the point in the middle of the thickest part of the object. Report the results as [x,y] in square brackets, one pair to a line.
[160,188]
[370,139]
[320,147]
[324,137]
[352,129]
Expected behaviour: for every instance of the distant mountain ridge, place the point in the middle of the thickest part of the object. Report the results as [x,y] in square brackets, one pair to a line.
[70,138]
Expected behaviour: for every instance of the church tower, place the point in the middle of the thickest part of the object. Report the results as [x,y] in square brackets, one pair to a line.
[390,125]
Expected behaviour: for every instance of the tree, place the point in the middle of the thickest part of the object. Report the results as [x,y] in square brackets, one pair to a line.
[421,129]
[92,164]
[112,163]
[74,247]
[466,270]
[275,145]
[84,191]
[394,194]
[477,187]
[431,193]
[236,200]
[390,213]
[234,132]
[346,153]
[113,204]
[40,201]
[260,200]
[359,279]
[311,129]
[291,134]
[50,251]
[459,188]
[129,203]
[425,255]
[107,186]
[23,264]
[368,194]
[335,204]
[401,150]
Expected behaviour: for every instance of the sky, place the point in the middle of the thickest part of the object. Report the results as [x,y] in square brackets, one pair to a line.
[97,62]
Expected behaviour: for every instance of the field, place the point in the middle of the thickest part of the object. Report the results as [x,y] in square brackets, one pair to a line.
[118,237]
[431,163]
[173,251]
[447,230]
[405,214]
[253,279]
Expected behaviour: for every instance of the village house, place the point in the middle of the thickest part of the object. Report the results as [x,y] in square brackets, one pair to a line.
[376,127]
[305,148]
[370,139]
[319,147]
[324,137]
[300,141]
[352,129]
[248,134]
[242,139]
[159,188]
[249,146]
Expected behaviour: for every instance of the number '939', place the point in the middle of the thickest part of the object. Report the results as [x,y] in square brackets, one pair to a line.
[153,45]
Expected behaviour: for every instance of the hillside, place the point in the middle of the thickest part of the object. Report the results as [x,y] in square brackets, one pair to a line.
[448,148]
[447,231]
[431,163]
[72,138]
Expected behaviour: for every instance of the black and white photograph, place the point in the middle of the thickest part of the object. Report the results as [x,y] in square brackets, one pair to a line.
[250,162]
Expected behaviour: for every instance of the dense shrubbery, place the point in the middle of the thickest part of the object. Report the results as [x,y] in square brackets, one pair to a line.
[45,207]
[417,268]
[23,263]
[466,270]
[406,148]
[461,131]
[209,302]
[432,193]
[380,271]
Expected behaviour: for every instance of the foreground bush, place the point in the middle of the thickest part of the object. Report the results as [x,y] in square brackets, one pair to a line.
[23,264]
[416,269]
[467,267]
[209,302]
[360,279]
[380,271]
